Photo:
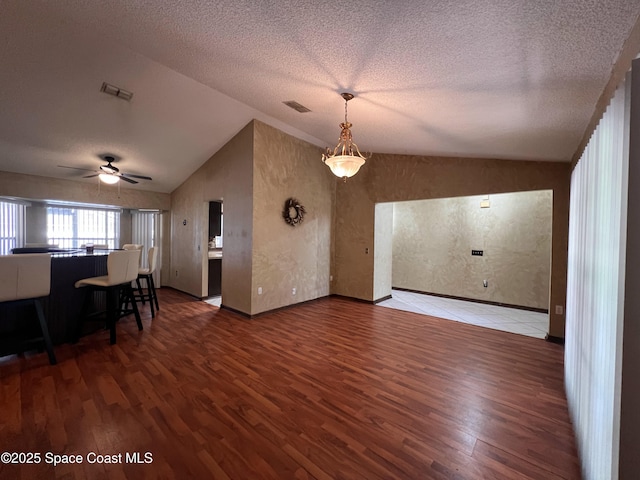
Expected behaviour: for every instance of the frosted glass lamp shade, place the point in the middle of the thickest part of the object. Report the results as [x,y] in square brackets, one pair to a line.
[110,179]
[344,166]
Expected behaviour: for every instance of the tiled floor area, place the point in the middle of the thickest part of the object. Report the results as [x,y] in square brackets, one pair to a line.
[512,320]
[215,301]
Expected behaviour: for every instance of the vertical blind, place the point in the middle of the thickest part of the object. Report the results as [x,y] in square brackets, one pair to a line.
[12,226]
[146,231]
[595,289]
[71,227]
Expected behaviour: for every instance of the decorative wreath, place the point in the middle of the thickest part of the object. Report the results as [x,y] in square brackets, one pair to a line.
[293,212]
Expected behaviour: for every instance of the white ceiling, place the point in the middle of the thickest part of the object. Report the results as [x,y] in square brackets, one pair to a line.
[512,79]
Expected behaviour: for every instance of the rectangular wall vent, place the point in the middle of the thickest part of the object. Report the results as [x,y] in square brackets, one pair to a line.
[116,91]
[296,106]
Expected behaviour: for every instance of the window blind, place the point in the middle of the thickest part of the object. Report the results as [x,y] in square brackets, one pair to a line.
[12,226]
[595,287]
[146,230]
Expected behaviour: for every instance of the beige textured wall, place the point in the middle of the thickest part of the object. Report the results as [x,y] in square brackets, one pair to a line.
[394,178]
[383,250]
[433,239]
[226,176]
[286,257]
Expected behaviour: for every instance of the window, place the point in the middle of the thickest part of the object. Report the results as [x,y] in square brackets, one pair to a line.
[72,227]
[12,220]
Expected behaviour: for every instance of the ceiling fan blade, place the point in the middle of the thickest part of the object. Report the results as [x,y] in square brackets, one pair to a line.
[78,168]
[91,176]
[143,177]
[122,177]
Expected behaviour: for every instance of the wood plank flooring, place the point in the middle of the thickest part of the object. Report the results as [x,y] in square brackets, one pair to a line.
[331,389]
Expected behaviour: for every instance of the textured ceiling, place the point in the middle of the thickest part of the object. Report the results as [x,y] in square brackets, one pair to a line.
[503,79]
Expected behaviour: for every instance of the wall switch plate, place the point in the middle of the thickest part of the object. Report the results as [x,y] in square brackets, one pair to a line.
[485,283]
[259,290]
[477,253]
[559,310]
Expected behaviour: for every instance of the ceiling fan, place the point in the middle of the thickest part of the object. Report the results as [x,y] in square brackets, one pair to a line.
[108,173]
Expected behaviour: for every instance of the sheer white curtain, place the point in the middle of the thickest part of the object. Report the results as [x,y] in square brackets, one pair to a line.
[146,229]
[595,289]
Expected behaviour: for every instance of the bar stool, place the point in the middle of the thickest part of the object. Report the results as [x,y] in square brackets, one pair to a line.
[26,278]
[147,275]
[122,269]
[134,246]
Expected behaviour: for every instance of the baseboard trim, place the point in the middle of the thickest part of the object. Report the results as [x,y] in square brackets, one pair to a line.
[388,297]
[182,291]
[352,299]
[233,310]
[552,339]
[284,307]
[475,300]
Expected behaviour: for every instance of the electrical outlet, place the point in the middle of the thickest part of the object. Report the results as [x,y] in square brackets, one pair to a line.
[259,290]
[331,278]
[293,291]
[559,310]
[366,251]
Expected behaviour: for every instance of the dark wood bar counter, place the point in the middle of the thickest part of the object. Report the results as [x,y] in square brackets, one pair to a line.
[62,308]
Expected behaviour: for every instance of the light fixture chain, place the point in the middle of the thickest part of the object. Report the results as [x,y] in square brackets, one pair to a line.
[345,111]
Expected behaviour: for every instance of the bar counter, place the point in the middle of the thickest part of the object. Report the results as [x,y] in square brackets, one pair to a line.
[63,307]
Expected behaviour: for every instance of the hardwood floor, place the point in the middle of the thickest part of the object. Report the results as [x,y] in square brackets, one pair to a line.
[331,389]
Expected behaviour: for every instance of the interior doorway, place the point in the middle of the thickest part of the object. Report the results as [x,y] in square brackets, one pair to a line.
[215,252]
[492,250]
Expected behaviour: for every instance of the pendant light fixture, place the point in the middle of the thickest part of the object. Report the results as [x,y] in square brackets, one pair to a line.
[345,160]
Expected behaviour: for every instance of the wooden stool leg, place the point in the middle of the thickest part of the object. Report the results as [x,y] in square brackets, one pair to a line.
[129,290]
[153,289]
[140,289]
[149,295]
[45,332]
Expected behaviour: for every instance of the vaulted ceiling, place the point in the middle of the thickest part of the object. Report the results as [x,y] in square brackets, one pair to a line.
[515,79]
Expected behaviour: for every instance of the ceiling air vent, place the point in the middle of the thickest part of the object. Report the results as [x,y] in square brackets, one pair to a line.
[116,91]
[296,106]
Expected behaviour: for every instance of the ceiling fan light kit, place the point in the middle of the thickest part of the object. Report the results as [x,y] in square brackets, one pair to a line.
[345,160]
[109,178]
[108,173]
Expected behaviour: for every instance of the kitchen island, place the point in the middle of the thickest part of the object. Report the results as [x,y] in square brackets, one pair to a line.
[63,306]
